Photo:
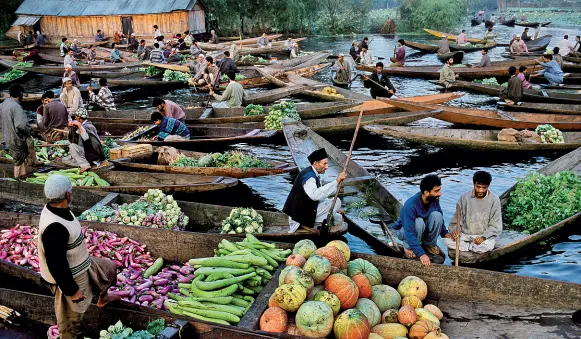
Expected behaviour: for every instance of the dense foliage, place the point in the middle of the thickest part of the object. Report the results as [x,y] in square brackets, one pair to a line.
[540,201]
[440,15]
[227,159]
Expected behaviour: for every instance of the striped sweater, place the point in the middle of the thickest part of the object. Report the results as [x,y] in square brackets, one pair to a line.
[171,126]
[103,99]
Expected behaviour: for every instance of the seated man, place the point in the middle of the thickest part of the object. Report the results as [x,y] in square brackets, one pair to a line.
[480,217]
[170,129]
[55,119]
[421,221]
[85,148]
[233,96]
[552,72]
[513,92]
[307,203]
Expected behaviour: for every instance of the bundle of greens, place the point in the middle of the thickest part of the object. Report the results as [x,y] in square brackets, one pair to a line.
[118,331]
[14,74]
[153,71]
[232,159]
[238,77]
[540,201]
[487,81]
[278,112]
[108,145]
[251,59]
[242,220]
[549,134]
[253,109]
[170,75]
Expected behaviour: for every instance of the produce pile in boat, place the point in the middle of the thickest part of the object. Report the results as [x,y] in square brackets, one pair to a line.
[154,209]
[46,154]
[324,292]
[170,75]
[119,331]
[153,71]
[132,134]
[242,220]
[253,109]
[549,134]
[278,112]
[253,59]
[73,174]
[225,285]
[109,144]
[540,201]
[332,92]
[490,81]
[238,77]
[232,159]
[14,74]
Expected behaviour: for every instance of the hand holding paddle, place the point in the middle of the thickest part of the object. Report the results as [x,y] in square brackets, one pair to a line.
[457,234]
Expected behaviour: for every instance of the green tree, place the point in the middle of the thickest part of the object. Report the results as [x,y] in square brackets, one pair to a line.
[7,15]
[443,15]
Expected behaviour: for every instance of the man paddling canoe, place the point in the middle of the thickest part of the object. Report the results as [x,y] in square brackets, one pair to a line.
[379,83]
[307,203]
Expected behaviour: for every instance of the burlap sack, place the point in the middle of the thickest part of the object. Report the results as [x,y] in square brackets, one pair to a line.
[166,155]
[509,135]
[530,136]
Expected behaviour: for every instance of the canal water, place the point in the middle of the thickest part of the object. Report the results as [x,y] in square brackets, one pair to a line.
[400,165]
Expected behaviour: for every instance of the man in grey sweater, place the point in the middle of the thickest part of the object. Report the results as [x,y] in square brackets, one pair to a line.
[480,217]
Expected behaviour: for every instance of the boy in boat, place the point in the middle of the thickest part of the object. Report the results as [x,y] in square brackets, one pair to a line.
[379,83]
[354,51]
[170,129]
[398,59]
[233,96]
[421,221]
[100,36]
[485,60]
[104,100]
[551,71]
[169,109]
[307,203]
[55,119]
[365,57]
[115,55]
[513,92]
[480,217]
[227,64]
[447,75]
[142,51]
[196,50]
[557,57]
[71,96]
[263,41]
[520,74]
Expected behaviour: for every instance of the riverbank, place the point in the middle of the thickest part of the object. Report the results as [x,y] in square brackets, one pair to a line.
[558,16]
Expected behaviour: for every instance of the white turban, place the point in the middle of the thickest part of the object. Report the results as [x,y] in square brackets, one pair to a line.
[56,186]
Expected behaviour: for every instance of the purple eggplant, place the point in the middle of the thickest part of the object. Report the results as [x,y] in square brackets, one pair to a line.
[145,285]
[146,297]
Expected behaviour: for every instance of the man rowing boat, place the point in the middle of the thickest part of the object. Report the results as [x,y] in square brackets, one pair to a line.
[307,203]
[379,83]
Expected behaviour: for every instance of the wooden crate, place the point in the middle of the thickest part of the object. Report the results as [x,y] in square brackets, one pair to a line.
[114,153]
[135,150]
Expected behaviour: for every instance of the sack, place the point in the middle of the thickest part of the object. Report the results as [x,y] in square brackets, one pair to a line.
[530,136]
[509,135]
[167,155]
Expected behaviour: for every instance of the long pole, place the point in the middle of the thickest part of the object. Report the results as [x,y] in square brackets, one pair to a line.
[330,215]
[458,226]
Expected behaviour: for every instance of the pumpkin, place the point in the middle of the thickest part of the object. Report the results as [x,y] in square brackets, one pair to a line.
[330,299]
[283,274]
[299,276]
[292,329]
[290,297]
[351,324]
[374,336]
[362,266]
[385,297]
[434,310]
[370,310]
[389,316]
[318,267]
[412,285]
[314,291]
[274,319]
[426,315]
[363,285]
[344,288]
[272,302]
[436,335]
[314,319]
[412,300]
[341,246]
[421,329]
[296,260]
[334,255]
[305,248]
[390,331]
[407,315]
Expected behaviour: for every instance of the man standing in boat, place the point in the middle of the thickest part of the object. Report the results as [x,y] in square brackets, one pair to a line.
[308,204]
[421,221]
[480,217]
[379,83]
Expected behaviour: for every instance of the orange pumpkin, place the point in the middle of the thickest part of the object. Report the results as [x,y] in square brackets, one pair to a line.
[296,260]
[407,315]
[363,285]
[274,319]
[272,302]
[421,329]
[344,288]
[412,300]
[334,255]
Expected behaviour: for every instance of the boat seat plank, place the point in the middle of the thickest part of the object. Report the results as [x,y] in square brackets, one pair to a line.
[206,113]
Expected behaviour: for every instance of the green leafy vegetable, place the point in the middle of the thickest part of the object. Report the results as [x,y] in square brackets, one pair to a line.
[227,160]
[253,109]
[170,75]
[549,134]
[153,71]
[278,112]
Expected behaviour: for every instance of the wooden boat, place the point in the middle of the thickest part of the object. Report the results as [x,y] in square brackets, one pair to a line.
[137,114]
[488,24]
[508,23]
[421,47]
[9,63]
[273,95]
[433,72]
[573,59]
[262,50]
[474,140]
[521,56]
[565,87]
[494,119]
[144,82]
[535,107]
[532,24]
[148,163]
[568,79]
[529,95]
[511,241]
[475,22]
[451,37]
[251,41]
[457,56]
[538,45]
[505,301]
[59,70]
[299,61]
[472,47]
[379,107]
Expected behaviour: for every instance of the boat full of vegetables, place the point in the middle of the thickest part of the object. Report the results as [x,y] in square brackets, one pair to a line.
[170,75]
[549,134]
[86,179]
[278,112]
[232,159]
[225,285]
[253,109]
[46,154]
[242,220]
[155,209]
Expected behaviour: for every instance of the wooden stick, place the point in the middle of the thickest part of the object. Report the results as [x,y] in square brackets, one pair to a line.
[458,226]
[330,215]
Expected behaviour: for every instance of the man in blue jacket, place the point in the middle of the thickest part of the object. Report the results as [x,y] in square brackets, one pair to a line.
[421,221]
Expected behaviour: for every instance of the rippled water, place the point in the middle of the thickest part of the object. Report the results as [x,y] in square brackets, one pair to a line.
[401,165]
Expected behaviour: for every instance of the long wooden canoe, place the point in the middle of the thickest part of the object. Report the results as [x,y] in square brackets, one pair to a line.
[536,46]
[568,79]
[472,47]
[511,241]
[433,72]
[8,63]
[532,24]
[379,107]
[59,70]
[451,37]
[529,95]
[505,302]
[534,107]
[562,88]
[469,139]
[250,41]
[456,55]
[494,119]
[421,47]
[475,22]
[508,23]
[27,97]
[148,163]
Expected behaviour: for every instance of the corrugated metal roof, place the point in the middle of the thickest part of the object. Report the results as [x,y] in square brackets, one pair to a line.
[26,20]
[102,7]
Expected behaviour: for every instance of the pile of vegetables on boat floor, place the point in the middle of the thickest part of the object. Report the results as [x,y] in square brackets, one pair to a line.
[154,209]
[14,74]
[233,159]
[45,154]
[242,220]
[321,291]
[119,331]
[132,134]
[225,285]
[76,178]
[278,112]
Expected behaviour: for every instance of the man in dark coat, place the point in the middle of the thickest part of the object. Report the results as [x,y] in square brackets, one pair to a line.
[308,203]
[385,88]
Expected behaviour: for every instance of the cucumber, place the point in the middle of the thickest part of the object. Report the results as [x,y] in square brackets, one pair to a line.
[214,285]
[250,259]
[229,246]
[218,276]
[233,271]
[153,269]
[212,307]
[176,297]
[224,292]
[212,314]
[200,317]
[218,262]
[240,302]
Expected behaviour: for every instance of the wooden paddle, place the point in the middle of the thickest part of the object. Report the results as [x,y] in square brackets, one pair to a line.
[458,226]
[325,228]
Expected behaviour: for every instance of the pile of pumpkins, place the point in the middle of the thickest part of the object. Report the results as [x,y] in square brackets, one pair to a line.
[326,292]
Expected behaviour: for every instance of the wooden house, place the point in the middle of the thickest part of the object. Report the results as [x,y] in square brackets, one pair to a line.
[82,18]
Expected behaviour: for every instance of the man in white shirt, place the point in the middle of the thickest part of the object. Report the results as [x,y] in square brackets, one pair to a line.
[308,203]
[565,46]
[365,58]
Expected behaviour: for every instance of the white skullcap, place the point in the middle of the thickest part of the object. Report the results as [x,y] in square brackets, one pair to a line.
[56,186]
[66,79]
[341,54]
[443,35]
[68,66]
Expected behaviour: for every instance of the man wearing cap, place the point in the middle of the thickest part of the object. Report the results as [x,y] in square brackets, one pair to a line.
[69,73]
[443,46]
[16,130]
[71,96]
[379,83]
[55,119]
[354,51]
[103,100]
[518,46]
[342,69]
[308,204]
[70,58]
[85,147]
[77,51]
[133,43]
[295,52]
[365,57]
[213,38]
[64,260]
